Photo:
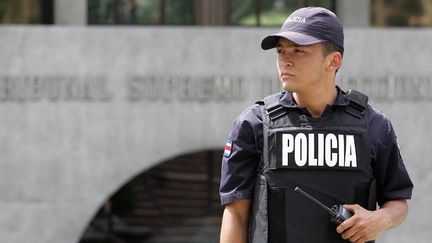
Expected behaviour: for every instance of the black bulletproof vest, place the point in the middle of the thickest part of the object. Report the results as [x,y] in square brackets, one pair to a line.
[328,157]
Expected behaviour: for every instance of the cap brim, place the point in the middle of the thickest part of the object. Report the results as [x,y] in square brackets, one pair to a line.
[271,41]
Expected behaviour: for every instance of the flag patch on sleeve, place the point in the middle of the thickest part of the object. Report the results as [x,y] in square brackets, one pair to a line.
[228,148]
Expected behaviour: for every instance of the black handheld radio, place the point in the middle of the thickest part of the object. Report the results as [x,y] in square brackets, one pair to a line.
[338,213]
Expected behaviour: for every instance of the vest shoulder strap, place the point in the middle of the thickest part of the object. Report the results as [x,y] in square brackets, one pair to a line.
[358,103]
[273,108]
[356,107]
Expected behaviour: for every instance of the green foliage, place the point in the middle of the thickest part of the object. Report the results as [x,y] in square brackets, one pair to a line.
[92,16]
[320,3]
[396,20]
[149,13]
[20,11]
[2,8]
[414,7]
[268,18]
[243,12]
[273,12]
[179,12]
[390,1]
[402,11]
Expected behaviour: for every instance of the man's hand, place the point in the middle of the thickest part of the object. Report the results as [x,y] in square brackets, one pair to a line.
[364,225]
[367,225]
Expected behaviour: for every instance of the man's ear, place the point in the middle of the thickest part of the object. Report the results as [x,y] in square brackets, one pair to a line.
[334,61]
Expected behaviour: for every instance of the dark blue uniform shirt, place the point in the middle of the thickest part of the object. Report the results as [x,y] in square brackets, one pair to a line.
[245,146]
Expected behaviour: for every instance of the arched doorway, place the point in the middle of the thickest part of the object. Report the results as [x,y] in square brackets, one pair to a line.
[175,201]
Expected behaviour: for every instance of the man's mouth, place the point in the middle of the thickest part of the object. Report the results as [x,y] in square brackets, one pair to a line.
[286,74]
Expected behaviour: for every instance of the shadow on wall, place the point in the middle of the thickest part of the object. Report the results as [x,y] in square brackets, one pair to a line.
[175,201]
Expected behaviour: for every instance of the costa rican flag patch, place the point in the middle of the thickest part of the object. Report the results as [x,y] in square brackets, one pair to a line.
[228,148]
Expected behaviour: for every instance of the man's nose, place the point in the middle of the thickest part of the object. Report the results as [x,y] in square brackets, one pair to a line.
[286,61]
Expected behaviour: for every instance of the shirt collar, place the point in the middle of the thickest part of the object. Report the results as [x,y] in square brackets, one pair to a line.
[288,101]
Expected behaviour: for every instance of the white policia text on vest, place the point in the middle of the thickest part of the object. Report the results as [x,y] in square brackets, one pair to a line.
[318,150]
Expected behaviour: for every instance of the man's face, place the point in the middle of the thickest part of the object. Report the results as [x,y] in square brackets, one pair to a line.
[300,67]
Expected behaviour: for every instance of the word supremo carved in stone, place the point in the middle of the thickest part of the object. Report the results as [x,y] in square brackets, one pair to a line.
[183,88]
[332,150]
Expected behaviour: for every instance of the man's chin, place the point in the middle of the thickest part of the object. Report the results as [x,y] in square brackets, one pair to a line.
[286,85]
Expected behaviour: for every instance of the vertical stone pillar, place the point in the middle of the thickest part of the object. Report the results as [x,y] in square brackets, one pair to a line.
[67,12]
[354,13]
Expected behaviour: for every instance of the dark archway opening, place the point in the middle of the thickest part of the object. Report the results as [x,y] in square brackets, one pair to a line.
[175,201]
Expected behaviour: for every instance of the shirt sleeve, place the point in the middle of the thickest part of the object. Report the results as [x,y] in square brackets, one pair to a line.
[241,157]
[393,181]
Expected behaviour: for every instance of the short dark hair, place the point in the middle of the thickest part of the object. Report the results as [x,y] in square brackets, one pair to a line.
[329,47]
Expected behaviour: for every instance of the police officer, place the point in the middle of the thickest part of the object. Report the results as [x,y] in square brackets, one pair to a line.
[331,143]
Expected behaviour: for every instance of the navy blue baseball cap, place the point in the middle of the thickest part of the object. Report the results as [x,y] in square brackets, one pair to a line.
[307,26]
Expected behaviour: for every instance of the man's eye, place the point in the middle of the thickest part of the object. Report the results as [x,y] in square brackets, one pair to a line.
[279,51]
[299,51]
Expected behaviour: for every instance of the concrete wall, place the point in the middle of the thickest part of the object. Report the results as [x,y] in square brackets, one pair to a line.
[85,109]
